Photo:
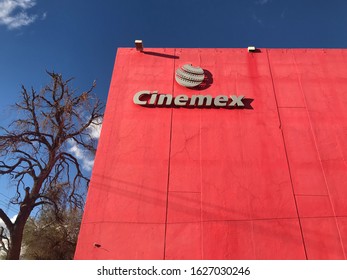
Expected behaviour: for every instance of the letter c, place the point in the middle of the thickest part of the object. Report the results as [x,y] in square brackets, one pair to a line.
[137,97]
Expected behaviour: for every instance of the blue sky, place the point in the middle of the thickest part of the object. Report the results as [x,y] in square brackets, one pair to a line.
[79,38]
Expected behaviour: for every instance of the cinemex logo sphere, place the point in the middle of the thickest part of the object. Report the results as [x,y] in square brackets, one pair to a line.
[189,76]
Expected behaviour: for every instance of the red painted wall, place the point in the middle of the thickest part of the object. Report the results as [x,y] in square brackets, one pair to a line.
[268,182]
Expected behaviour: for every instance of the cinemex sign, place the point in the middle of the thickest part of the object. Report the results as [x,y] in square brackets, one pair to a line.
[155,99]
[190,77]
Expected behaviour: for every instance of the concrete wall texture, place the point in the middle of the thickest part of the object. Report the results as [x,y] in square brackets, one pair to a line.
[265,182]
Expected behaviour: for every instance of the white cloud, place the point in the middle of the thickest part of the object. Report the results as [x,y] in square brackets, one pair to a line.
[94,130]
[257,19]
[82,155]
[262,2]
[44,15]
[13,13]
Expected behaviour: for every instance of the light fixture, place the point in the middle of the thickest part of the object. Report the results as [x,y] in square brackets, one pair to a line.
[139,45]
[251,49]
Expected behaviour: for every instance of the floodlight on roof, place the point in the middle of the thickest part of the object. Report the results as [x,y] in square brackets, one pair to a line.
[139,45]
[251,49]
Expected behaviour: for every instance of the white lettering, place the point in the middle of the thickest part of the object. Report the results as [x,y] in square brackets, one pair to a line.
[236,100]
[146,97]
[137,97]
[181,100]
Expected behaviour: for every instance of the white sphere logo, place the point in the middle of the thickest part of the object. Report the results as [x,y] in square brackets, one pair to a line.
[189,76]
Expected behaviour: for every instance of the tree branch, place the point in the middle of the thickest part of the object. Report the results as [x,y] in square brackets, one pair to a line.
[2,238]
[6,220]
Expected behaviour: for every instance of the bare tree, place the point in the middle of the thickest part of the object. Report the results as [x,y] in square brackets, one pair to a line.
[36,155]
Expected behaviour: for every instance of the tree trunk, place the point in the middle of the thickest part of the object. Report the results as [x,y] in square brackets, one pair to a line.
[16,235]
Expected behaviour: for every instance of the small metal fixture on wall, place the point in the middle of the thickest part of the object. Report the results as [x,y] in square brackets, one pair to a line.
[139,45]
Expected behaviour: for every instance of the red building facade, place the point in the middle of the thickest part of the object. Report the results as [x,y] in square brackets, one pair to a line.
[266,180]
